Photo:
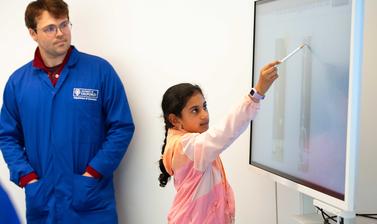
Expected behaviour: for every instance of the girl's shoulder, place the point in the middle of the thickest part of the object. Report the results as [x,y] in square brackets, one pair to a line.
[180,137]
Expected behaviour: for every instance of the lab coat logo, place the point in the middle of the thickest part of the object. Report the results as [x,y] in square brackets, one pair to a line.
[85,94]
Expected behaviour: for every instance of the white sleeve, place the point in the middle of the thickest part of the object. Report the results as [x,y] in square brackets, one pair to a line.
[205,147]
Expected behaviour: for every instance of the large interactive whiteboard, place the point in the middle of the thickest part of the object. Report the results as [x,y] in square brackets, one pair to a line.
[301,130]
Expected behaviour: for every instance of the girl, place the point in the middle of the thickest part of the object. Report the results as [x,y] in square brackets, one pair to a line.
[191,151]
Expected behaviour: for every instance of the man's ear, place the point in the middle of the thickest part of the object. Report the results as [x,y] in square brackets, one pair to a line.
[174,120]
[33,34]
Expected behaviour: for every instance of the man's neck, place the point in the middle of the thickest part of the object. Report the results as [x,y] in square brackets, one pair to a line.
[52,61]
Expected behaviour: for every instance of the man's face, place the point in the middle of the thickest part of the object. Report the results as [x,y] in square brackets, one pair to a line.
[52,35]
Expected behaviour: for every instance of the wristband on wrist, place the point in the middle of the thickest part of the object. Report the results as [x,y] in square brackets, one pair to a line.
[255,94]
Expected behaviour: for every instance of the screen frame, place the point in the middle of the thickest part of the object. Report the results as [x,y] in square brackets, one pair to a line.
[344,202]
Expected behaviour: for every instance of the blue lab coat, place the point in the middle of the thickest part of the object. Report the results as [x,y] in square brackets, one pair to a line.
[58,131]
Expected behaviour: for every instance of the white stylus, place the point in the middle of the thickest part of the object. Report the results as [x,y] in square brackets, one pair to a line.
[292,53]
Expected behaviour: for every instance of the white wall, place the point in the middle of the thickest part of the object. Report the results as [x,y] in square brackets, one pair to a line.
[153,45]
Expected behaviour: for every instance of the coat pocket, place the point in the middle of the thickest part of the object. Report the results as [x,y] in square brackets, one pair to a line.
[89,115]
[88,194]
[37,196]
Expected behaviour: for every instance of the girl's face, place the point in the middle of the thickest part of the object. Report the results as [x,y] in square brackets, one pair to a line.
[194,116]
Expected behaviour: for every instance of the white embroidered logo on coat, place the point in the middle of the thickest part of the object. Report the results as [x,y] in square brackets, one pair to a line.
[85,94]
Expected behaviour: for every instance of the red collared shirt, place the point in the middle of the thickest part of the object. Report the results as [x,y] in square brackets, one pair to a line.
[52,72]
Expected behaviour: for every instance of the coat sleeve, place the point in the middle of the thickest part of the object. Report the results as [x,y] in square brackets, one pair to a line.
[118,122]
[11,136]
[204,148]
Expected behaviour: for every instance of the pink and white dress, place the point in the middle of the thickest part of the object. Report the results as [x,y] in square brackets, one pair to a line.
[203,193]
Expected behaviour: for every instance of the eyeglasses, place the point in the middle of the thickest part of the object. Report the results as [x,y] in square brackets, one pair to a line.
[51,30]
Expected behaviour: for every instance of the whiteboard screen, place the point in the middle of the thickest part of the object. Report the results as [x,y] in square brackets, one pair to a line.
[300,132]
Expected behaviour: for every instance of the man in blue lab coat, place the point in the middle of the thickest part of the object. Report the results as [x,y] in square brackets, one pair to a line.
[65,125]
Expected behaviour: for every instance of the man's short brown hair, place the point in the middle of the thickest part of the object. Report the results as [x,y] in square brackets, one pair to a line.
[57,8]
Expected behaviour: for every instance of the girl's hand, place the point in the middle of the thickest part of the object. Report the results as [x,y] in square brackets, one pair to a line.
[268,74]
